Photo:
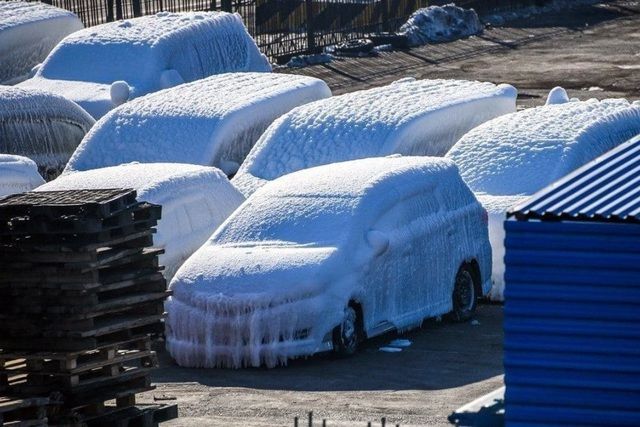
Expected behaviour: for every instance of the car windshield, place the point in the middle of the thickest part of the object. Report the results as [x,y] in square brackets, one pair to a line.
[306,220]
[100,63]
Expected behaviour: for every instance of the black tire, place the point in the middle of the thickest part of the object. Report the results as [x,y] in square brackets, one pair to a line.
[347,336]
[465,297]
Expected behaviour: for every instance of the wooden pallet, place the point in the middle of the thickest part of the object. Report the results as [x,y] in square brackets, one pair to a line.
[23,412]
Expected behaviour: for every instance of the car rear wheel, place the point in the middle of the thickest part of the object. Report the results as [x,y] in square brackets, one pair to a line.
[346,336]
[465,298]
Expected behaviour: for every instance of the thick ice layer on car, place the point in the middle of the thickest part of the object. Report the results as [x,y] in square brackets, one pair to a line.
[275,278]
[523,152]
[195,200]
[18,174]
[102,66]
[28,32]
[43,126]
[211,122]
[414,117]
[513,156]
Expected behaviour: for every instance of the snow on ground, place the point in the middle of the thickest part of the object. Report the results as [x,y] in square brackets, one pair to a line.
[195,200]
[441,24]
[210,122]
[28,32]
[102,66]
[42,126]
[518,154]
[18,174]
[416,117]
[274,280]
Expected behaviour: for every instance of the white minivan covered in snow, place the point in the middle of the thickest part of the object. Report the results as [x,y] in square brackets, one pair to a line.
[210,122]
[104,66]
[195,200]
[410,117]
[511,157]
[325,257]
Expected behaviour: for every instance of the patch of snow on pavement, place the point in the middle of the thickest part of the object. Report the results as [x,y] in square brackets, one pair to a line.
[195,200]
[209,122]
[390,349]
[440,24]
[402,343]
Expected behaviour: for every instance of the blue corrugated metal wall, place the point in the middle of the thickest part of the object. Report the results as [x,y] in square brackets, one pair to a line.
[572,323]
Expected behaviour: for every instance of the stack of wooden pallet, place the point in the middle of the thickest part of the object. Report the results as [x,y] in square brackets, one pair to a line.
[82,296]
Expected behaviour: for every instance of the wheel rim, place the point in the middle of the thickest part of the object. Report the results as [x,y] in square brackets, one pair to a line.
[465,291]
[348,329]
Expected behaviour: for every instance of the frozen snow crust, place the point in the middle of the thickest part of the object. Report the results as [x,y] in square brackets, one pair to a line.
[513,156]
[275,278]
[28,32]
[195,201]
[412,117]
[18,174]
[148,53]
[440,24]
[211,122]
[42,126]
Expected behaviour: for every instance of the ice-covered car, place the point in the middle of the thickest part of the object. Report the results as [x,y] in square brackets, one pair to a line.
[195,200]
[28,32]
[324,257]
[43,126]
[511,157]
[412,117]
[210,122]
[104,66]
[18,174]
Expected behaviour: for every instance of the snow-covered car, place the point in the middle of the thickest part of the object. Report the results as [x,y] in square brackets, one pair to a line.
[104,66]
[324,257]
[42,126]
[28,32]
[195,200]
[411,117]
[511,157]
[210,122]
[18,174]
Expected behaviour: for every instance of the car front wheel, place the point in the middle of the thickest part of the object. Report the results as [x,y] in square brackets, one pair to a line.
[464,296]
[346,336]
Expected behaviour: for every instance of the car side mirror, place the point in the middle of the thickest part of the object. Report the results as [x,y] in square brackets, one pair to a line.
[378,241]
[170,78]
[35,70]
[119,92]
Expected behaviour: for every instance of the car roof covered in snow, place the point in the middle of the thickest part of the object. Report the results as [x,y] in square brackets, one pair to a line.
[521,153]
[208,122]
[16,13]
[321,202]
[414,117]
[33,104]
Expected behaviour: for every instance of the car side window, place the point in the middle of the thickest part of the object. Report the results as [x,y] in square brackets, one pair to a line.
[409,209]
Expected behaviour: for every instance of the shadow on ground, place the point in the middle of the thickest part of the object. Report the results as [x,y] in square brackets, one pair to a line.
[443,355]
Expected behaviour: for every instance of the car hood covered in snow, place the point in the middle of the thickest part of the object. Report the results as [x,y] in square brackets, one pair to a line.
[411,117]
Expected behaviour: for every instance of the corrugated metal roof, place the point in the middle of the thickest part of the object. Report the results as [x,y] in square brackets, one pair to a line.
[606,189]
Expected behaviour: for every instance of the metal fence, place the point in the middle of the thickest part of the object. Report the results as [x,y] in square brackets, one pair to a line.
[282,28]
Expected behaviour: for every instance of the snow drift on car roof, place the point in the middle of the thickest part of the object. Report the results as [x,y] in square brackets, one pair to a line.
[28,31]
[416,117]
[211,122]
[523,152]
[194,200]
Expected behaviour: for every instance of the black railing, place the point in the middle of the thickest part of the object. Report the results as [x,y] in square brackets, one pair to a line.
[282,28]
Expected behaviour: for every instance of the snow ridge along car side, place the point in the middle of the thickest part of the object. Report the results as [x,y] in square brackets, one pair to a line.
[409,117]
[324,257]
[104,66]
